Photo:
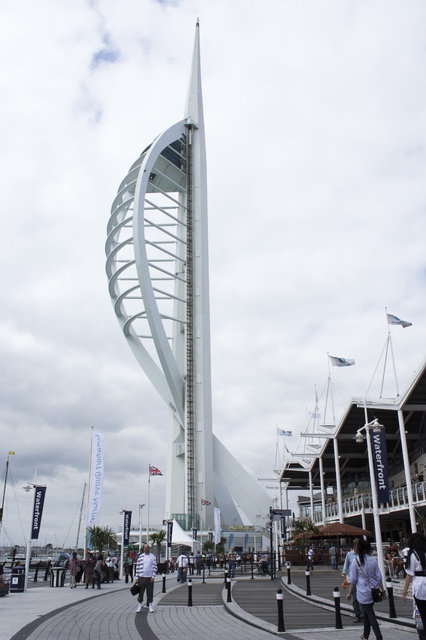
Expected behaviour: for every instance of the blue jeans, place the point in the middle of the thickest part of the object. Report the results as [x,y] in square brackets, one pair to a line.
[181,576]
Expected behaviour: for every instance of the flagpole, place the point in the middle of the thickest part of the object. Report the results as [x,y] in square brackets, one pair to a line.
[392,355]
[88,495]
[149,498]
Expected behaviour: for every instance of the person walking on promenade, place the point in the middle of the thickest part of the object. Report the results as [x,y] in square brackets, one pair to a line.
[146,570]
[75,568]
[310,559]
[416,572]
[100,570]
[333,556]
[89,568]
[365,575]
[182,567]
[350,557]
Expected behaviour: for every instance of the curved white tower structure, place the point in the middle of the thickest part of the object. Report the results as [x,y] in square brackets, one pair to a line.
[157,266]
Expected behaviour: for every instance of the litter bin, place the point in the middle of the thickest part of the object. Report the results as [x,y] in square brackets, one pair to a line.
[57,576]
[17,579]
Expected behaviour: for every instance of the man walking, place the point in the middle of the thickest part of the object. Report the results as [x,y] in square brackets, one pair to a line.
[146,570]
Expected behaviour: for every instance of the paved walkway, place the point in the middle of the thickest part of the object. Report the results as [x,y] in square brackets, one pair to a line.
[44,613]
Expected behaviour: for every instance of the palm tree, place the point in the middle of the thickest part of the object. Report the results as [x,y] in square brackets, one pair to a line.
[304,528]
[157,539]
[102,538]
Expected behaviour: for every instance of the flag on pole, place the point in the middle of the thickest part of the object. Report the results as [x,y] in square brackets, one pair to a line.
[283,432]
[206,502]
[341,362]
[11,453]
[154,471]
[394,320]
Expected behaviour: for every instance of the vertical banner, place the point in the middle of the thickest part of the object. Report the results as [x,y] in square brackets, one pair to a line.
[96,480]
[230,541]
[39,494]
[126,528]
[216,525]
[169,533]
[194,533]
[380,458]
[246,537]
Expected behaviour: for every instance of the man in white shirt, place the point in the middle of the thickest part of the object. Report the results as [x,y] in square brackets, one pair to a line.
[146,570]
[182,565]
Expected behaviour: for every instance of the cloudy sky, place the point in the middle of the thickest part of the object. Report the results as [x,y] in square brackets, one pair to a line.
[316,146]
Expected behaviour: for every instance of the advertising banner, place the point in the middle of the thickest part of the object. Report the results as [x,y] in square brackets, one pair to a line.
[380,458]
[216,525]
[39,495]
[96,480]
[126,528]
[169,533]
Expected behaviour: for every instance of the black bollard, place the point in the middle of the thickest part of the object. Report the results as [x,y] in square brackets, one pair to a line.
[189,593]
[308,583]
[389,589]
[164,584]
[251,562]
[288,573]
[336,595]
[280,604]
[226,575]
[228,587]
[47,572]
[204,572]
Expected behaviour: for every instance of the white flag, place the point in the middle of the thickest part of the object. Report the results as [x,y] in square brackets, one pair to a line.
[216,525]
[394,320]
[96,480]
[283,432]
[341,362]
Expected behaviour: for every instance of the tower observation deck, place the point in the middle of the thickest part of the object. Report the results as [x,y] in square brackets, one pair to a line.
[158,278]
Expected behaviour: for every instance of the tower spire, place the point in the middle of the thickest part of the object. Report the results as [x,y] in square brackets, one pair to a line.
[194,99]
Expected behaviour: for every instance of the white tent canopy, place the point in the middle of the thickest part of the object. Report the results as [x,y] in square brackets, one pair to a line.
[180,537]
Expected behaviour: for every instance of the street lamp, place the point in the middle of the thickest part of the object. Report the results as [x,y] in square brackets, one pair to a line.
[35,521]
[141,506]
[375,427]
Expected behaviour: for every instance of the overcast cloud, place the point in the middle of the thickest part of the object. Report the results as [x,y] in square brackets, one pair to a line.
[315,124]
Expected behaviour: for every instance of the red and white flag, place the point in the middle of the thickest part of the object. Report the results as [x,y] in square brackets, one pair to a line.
[205,502]
[154,471]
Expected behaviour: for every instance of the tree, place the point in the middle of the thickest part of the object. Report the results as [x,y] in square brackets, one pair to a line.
[303,530]
[157,539]
[220,547]
[102,538]
[208,546]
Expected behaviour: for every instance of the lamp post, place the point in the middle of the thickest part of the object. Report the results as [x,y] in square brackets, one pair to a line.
[359,438]
[35,521]
[141,506]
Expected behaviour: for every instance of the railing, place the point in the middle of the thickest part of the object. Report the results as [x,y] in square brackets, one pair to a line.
[356,504]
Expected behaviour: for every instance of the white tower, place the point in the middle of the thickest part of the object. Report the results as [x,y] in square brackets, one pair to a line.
[157,266]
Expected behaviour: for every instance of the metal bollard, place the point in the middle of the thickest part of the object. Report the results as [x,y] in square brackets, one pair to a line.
[204,572]
[228,588]
[226,575]
[389,589]
[251,562]
[164,584]
[280,604]
[189,593]
[288,564]
[308,583]
[336,596]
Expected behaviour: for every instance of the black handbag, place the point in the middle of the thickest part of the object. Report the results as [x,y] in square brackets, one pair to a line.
[134,589]
[378,595]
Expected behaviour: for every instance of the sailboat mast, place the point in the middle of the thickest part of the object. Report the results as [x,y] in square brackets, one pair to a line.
[11,453]
[81,514]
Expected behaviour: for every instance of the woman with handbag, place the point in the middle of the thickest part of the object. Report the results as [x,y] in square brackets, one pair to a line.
[365,575]
[416,572]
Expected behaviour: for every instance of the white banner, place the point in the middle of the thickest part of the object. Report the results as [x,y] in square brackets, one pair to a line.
[216,525]
[96,480]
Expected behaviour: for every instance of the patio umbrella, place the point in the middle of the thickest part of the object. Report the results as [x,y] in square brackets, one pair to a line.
[341,529]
